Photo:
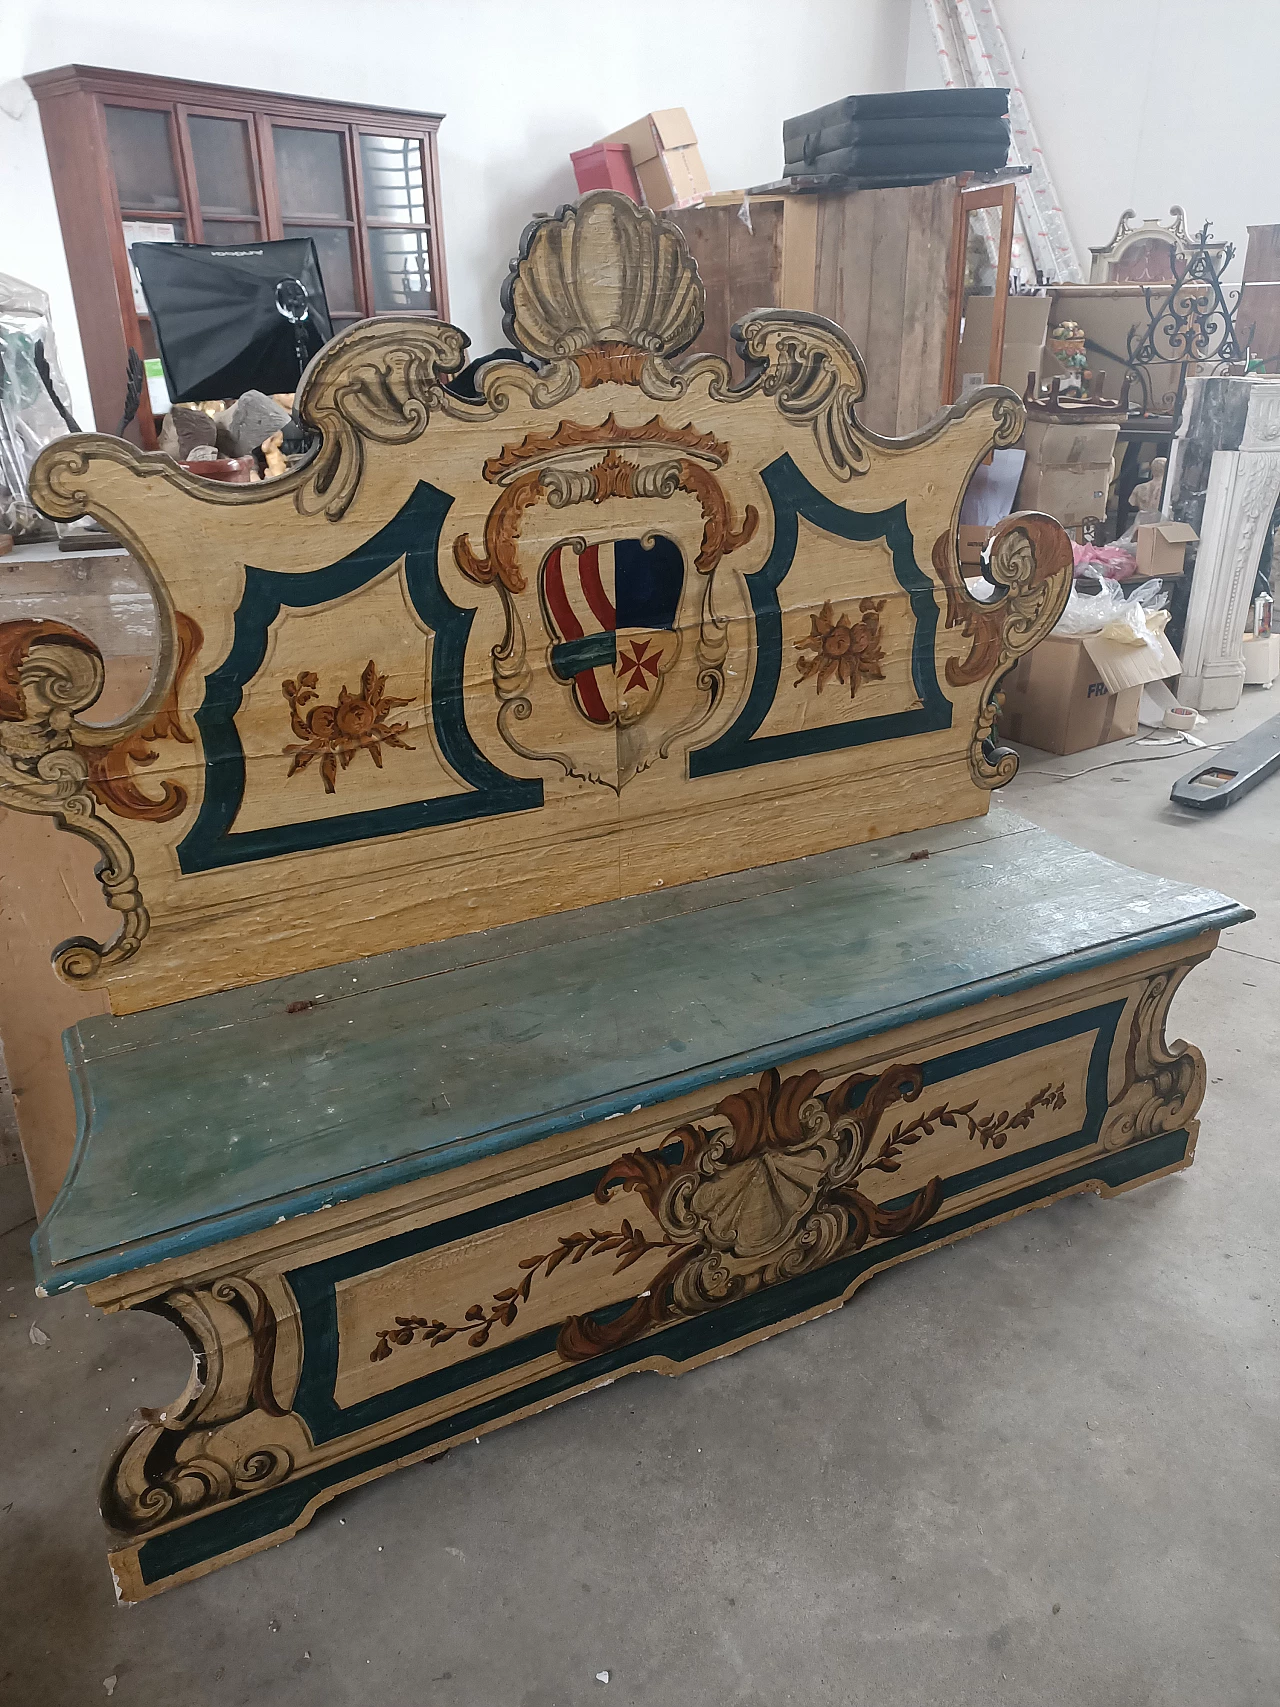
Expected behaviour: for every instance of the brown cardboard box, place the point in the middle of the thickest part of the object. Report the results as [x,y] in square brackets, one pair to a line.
[1055,700]
[1069,495]
[1124,666]
[1162,547]
[1068,469]
[1025,320]
[664,152]
[973,542]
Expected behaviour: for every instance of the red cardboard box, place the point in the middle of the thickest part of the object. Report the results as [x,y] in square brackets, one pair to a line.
[606,166]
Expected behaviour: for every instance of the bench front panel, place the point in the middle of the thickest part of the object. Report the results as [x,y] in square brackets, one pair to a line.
[654,1241]
[610,626]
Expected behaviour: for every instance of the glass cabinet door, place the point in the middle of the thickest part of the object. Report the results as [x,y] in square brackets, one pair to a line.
[144,164]
[393,178]
[314,189]
[222,154]
[142,158]
[225,177]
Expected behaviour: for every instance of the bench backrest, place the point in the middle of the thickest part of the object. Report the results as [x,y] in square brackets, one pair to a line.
[612,626]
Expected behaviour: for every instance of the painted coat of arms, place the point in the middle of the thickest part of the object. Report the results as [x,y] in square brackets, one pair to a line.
[596,626]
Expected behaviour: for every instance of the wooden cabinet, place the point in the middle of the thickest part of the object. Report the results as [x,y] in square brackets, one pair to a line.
[877,262]
[137,159]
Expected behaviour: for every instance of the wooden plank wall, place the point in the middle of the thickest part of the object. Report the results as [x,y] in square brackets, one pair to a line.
[740,269]
[882,260]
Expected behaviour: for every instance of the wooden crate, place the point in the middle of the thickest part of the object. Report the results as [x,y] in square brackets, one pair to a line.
[874,261]
[1258,313]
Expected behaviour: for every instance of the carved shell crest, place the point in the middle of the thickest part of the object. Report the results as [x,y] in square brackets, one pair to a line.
[603,271]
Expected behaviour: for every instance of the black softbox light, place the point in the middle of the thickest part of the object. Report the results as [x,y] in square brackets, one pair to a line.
[230,320]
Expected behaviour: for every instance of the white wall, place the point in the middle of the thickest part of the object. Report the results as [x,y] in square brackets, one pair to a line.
[1139,103]
[1143,103]
[521,82]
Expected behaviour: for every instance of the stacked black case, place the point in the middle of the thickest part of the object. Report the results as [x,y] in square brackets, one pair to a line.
[909,138]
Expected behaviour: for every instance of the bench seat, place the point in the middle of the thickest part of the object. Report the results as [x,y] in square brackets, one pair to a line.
[339,1182]
[215,1117]
[456,1062]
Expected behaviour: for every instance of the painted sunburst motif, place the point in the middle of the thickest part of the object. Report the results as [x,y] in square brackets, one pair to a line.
[848,651]
[334,734]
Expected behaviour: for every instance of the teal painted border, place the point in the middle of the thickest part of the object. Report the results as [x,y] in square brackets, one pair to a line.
[314,1285]
[261,1515]
[414,534]
[793,496]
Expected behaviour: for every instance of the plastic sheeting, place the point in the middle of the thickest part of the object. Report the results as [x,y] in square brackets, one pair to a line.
[32,414]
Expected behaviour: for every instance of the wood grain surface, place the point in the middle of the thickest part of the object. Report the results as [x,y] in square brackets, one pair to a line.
[228,1112]
[342,1343]
[559,932]
[613,627]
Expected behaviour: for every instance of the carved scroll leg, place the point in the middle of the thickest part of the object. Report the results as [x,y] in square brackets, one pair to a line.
[81,958]
[1163,1086]
[225,1437]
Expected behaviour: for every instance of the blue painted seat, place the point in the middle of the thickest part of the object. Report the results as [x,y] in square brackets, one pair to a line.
[225,1114]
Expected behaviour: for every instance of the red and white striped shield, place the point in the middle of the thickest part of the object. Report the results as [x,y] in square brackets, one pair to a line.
[611,610]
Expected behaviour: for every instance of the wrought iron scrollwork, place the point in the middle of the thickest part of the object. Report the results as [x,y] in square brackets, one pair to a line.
[1189,322]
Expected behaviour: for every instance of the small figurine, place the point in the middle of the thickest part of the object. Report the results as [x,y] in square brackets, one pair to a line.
[1148,495]
[1066,345]
[274,456]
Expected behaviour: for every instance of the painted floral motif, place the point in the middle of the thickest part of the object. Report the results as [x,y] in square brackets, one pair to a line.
[765,1191]
[334,734]
[848,651]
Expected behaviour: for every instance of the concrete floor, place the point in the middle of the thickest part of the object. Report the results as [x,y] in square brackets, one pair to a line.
[1040,1467]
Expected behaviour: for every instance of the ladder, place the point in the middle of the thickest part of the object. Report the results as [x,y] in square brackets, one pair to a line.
[975,55]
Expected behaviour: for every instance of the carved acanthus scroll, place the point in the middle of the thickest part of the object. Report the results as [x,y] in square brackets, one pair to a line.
[1030,556]
[562,484]
[54,764]
[1163,1087]
[380,384]
[773,1185]
[814,374]
[211,1445]
[44,770]
[111,769]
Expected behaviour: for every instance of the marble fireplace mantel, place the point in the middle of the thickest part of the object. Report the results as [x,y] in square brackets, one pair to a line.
[1234,425]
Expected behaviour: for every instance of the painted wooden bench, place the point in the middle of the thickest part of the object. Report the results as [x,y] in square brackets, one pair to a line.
[560,929]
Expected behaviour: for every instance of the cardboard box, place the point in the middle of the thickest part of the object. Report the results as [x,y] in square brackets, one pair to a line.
[973,542]
[606,166]
[1162,547]
[1025,321]
[1056,700]
[664,152]
[1069,444]
[1123,666]
[1069,469]
[1069,495]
